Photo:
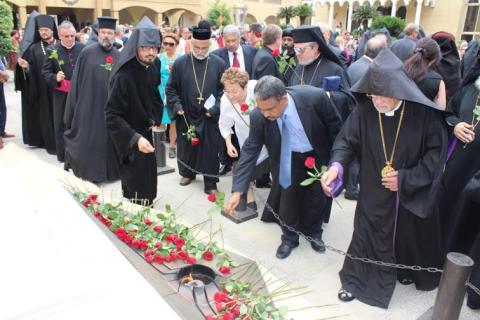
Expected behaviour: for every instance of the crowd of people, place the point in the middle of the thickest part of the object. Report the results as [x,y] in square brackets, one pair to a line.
[394,122]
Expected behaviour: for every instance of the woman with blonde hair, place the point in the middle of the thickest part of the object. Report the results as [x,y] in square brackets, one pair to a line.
[235,106]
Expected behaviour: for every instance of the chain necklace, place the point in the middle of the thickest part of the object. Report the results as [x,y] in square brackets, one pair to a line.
[200,92]
[389,162]
[43,47]
[313,75]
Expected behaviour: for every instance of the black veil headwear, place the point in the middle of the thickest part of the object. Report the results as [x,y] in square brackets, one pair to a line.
[30,31]
[386,77]
[449,65]
[145,33]
[314,34]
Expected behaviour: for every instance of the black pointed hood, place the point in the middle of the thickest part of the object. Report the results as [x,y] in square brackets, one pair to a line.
[29,35]
[304,34]
[386,77]
[44,21]
[145,33]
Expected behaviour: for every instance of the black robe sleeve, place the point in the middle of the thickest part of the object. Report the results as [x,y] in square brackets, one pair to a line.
[49,71]
[124,137]
[249,153]
[327,112]
[452,110]
[73,94]
[347,143]
[417,186]
[174,101]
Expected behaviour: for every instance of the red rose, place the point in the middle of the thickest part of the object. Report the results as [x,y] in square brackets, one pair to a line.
[149,259]
[108,59]
[179,242]
[220,306]
[191,260]
[182,255]
[171,256]
[158,245]
[310,162]
[208,255]
[220,296]
[236,311]
[224,270]
[195,141]
[244,107]
[158,228]
[212,197]
[97,214]
[170,238]
[86,203]
[148,221]
[228,316]
[158,258]
[276,53]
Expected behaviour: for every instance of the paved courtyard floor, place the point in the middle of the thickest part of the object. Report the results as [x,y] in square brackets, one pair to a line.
[258,241]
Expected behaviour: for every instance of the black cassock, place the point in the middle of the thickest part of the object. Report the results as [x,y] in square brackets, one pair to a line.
[88,149]
[49,72]
[133,106]
[182,94]
[409,235]
[314,73]
[459,201]
[37,114]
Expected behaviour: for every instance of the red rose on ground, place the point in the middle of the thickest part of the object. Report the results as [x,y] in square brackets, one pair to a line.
[191,260]
[225,270]
[148,221]
[275,53]
[171,256]
[212,197]
[158,258]
[208,255]
[149,259]
[195,141]
[179,242]
[220,306]
[236,311]
[228,316]
[97,214]
[108,59]
[182,255]
[244,107]
[220,296]
[310,162]
[158,228]
[158,245]
[170,238]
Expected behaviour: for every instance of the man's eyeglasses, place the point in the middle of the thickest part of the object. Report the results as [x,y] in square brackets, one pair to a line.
[168,44]
[301,50]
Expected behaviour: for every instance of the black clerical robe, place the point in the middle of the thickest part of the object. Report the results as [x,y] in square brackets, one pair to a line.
[182,94]
[66,63]
[314,73]
[393,227]
[88,149]
[133,107]
[37,114]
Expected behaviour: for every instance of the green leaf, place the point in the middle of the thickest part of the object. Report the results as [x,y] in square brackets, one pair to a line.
[229,287]
[131,227]
[307,182]
[243,309]
[311,174]
[168,208]
[323,169]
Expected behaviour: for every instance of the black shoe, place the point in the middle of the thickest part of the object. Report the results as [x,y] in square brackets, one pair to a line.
[318,246]
[252,205]
[283,251]
[351,195]
[345,296]
[224,169]
[406,282]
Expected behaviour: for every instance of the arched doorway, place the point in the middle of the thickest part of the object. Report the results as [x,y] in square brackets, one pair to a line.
[180,18]
[132,15]
[272,20]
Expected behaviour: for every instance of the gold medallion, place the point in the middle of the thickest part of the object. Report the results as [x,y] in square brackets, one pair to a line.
[386,170]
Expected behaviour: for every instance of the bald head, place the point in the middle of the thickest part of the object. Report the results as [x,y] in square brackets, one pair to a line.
[375,45]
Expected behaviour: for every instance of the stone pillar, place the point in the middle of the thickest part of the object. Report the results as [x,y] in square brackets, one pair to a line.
[22,13]
[418,12]
[158,19]
[98,12]
[350,13]
[42,7]
[394,8]
[330,14]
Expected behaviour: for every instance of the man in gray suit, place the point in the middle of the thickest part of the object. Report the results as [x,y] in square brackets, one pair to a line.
[403,48]
[357,69]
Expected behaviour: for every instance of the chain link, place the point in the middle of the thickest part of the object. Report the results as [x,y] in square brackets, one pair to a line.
[471,286]
[198,172]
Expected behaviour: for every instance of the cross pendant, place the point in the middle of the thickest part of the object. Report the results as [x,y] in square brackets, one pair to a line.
[200,99]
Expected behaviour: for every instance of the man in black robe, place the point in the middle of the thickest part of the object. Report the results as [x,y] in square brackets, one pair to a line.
[58,71]
[37,114]
[293,123]
[400,139]
[88,150]
[193,93]
[133,107]
[317,64]
[265,63]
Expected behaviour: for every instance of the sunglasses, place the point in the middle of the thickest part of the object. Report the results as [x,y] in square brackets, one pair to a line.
[169,44]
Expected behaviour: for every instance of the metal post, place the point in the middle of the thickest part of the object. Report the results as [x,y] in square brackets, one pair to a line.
[452,288]
[160,151]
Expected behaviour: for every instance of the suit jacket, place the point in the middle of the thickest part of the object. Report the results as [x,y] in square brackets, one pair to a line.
[358,69]
[342,56]
[249,53]
[320,121]
[265,64]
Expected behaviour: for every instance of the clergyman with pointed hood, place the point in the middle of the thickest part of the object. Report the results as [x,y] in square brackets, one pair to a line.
[133,108]
[400,138]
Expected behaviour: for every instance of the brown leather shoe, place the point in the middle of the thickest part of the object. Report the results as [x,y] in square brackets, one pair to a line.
[8,135]
[213,191]
[185,181]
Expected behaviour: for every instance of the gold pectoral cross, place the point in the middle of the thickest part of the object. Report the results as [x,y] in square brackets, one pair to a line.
[200,99]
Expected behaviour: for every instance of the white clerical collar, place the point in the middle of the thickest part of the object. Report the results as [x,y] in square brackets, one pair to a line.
[392,113]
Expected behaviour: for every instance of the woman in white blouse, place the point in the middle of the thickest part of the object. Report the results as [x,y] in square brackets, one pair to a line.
[236,104]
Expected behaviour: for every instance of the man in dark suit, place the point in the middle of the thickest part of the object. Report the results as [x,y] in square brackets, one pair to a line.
[357,69]
[265,63]
[234,54]
[294,124]
[328,35]
[403,48]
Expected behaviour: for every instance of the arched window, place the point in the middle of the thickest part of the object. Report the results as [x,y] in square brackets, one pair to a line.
[471,27]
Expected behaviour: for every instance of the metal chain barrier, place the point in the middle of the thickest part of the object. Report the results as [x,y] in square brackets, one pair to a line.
[198,172]
[474,289]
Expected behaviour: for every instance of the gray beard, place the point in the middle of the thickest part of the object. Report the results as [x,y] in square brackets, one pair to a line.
[306,63]
[196,57]
[105,45]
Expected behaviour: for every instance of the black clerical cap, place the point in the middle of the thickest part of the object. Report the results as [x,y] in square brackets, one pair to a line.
[202,31]
[44,21]
[314,34]
[386,77]
[287,32]
[107,23]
